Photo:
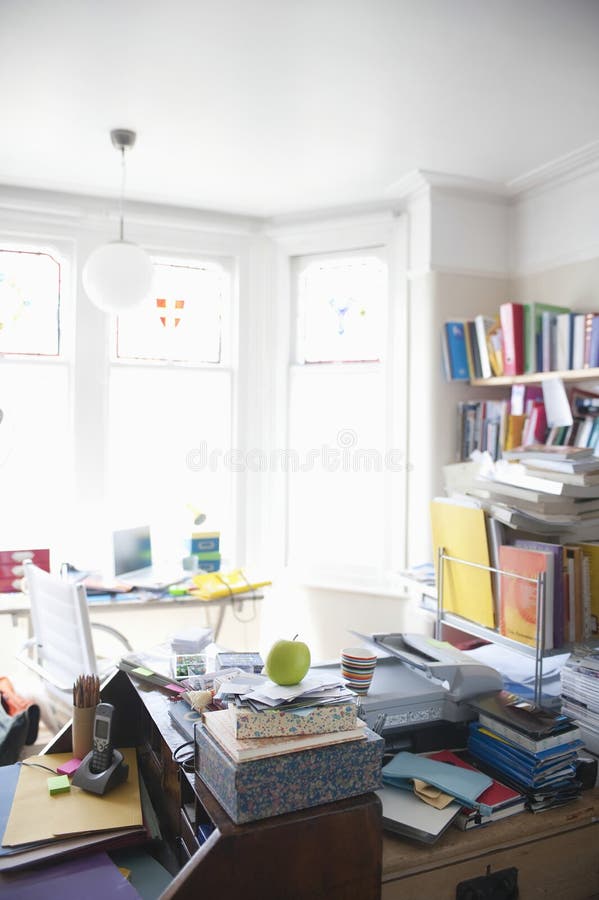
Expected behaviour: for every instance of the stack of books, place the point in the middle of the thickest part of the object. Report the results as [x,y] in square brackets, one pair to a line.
[580,694]
[550,489]
[277,749]
[533,750]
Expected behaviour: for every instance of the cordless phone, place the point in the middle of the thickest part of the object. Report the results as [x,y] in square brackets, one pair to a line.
[102,738]
[104,767]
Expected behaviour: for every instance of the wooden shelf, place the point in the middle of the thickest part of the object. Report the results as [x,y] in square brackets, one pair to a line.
[536,377]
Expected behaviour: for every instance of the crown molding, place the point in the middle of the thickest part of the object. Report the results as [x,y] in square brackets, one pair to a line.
[61,208]
[420,182]
[338,217]
[566,168]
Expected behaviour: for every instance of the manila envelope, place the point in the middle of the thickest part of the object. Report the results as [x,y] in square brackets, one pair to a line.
[37,816]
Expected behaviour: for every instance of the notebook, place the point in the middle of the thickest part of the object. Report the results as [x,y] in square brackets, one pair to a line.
[406,814]
[132,549]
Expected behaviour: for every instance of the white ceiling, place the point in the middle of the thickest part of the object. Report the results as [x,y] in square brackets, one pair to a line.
[270,107]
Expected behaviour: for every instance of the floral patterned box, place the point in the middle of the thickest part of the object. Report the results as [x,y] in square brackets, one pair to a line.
[259,788]
[277,722]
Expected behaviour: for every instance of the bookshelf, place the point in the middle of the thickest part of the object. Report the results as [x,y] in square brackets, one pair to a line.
[569,375]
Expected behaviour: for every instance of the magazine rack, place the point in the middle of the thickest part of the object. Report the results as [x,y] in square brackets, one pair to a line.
[443,617]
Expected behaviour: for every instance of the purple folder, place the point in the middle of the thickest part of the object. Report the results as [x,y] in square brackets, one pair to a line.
[94,877]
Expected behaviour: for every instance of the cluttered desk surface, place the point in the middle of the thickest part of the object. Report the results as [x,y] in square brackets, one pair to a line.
[16,604]
[250,779]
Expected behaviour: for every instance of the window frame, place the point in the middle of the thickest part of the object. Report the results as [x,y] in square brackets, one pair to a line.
[228,266]
[383,231]
[299,265]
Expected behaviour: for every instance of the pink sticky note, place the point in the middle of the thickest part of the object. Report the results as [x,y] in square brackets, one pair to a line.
[69,767]
[175,687]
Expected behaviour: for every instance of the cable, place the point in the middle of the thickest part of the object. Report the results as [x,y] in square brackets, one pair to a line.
[24,762]
[232,597]
[186,761]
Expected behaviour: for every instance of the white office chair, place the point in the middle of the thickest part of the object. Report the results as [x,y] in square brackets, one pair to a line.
[62,646]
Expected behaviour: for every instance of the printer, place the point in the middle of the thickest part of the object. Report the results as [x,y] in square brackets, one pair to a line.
[418,697]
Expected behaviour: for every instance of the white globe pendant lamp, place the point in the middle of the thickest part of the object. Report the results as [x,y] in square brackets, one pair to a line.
[118,276]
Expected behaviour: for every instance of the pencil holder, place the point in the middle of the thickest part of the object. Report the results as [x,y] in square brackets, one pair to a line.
[83,730]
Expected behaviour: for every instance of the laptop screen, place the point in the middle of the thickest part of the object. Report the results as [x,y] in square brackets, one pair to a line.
[132,549]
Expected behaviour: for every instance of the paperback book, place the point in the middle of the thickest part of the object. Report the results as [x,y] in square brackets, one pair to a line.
[567,738]
[522,715]
[518,594]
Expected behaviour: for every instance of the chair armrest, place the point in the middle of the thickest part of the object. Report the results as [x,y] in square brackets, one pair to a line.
[22,657]
[112,631]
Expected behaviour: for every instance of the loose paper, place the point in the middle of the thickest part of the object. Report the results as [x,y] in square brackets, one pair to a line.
[557,406]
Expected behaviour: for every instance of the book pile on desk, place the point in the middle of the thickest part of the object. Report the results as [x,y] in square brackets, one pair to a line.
[531,749]
[277,749]
[580,694]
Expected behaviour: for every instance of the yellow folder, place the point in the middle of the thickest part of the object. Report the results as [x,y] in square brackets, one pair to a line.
[214,585]
[461,531]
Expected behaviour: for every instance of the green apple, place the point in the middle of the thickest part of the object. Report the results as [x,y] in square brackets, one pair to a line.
[287,662]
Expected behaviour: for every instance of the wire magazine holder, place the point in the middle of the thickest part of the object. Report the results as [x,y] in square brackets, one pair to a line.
[491,634]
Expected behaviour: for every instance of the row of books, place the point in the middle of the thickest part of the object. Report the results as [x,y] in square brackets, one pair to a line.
[498,426]
[521,338]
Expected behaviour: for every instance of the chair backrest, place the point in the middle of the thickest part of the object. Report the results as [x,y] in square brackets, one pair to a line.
[61,625]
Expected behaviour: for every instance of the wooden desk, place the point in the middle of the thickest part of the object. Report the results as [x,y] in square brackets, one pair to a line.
[337,851]
[556,854]
[330,852]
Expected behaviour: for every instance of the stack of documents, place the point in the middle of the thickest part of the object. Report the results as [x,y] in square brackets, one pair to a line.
[580,694]
[542,493]
[191,640]
[37,826]
[533,750]
[259,708]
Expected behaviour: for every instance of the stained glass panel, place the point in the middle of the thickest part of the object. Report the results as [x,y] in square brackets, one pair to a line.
[29,303]
[181,321]
[341,310]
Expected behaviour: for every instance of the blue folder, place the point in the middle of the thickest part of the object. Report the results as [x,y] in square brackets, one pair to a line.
[465,785]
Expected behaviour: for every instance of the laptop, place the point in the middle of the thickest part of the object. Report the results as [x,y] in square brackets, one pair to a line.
[132,549]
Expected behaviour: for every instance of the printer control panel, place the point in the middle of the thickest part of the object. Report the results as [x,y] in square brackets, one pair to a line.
[414,716]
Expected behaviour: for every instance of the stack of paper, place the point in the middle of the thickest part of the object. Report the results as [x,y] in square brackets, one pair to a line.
[191,640]
[320,704]
[580,694]
[39,826]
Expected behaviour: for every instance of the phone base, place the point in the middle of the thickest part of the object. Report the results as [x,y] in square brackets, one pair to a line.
[101,782]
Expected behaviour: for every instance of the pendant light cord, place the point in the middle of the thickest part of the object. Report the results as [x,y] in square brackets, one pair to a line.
[123,176]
